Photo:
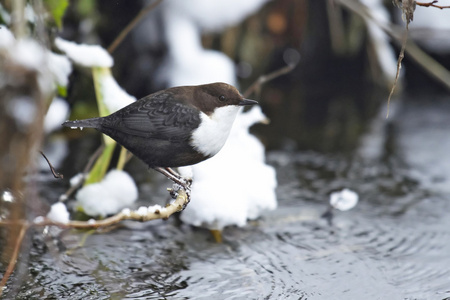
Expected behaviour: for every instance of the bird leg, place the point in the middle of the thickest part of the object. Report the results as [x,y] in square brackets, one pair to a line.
[173,172]
[174,176]
[217,234]
[188,181]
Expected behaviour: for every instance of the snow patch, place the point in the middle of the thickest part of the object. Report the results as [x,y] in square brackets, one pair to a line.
[58,213]
[114,193]
[85,55]
[344,200]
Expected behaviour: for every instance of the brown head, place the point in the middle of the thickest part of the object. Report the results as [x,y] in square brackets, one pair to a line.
[208,97]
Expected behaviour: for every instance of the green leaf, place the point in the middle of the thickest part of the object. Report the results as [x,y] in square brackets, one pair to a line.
[101,165]
[57,8]
[99,74]
[62,91]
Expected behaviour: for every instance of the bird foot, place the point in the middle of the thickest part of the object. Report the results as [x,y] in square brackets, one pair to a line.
[174,193]
[184,183]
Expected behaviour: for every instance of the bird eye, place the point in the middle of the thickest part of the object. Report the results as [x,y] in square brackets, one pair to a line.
[222,98]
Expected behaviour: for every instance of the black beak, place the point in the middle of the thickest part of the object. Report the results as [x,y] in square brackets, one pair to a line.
[244,102]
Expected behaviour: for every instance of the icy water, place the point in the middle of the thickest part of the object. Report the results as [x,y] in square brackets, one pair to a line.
[393,245]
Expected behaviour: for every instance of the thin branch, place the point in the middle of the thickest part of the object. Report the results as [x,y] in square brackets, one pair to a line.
[131,25]
[399,66]
[52,169]
[18,18]
[143,214]
[432,4]
[13,260]
[87,168]
[93,158]
[265,78]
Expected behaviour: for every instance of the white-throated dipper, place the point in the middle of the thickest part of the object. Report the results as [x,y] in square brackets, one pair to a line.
[175,127]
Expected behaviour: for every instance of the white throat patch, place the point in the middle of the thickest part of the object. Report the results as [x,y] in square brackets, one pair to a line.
[213,131]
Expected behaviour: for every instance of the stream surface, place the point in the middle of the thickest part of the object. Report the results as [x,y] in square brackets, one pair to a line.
[393,245]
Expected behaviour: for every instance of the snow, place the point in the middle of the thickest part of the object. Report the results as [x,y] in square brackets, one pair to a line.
[23,110]
[85,55]
[38,219]
[213,15]
[114,193]
[27,53]
[236,184]
[60,67]
[215,205]
[114,96]
[58,213]
[76,180]
[206,66]
[6,38]
[144,211]
[7,196]
[187,62]
[31,55]
[344,200]
[57,113]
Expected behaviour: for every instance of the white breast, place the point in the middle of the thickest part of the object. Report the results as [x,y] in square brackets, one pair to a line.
[213,131]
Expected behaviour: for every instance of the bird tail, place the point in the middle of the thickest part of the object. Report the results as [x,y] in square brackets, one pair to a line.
[88,123]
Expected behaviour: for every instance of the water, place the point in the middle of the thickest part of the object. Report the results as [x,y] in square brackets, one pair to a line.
[393,245]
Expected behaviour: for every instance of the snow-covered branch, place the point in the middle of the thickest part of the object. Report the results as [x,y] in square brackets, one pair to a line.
[142,214]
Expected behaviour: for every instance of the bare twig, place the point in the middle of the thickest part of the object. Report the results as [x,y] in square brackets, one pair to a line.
[52,169]
[432,4]
[143,214]
[88,167]
[93,158]
[256,86]
[131,25]
[399,66]
[408,7]
[13,259]
[18,18]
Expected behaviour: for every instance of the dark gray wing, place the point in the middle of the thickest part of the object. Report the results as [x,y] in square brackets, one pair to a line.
[158,116]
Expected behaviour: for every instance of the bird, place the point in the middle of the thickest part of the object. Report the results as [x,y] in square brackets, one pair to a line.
[246,182]
[175,127]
